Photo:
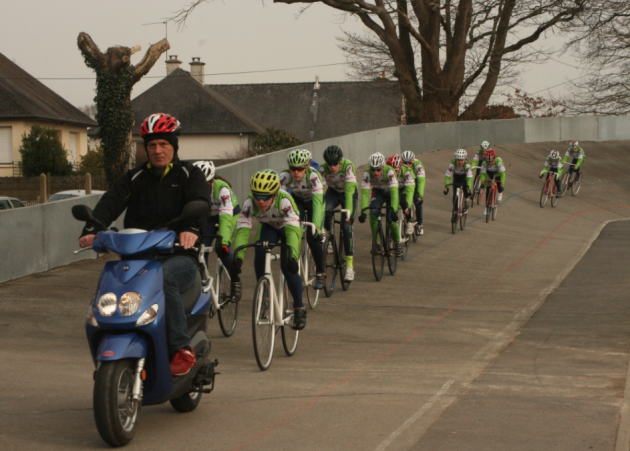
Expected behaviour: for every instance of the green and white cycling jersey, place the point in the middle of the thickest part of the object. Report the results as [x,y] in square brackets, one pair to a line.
[418,170]
[340,180]
[307,189]
[557,164]
[223,203]
[577,153]
[385,182]
[497,167]
[343,181]
[282,213]
[406,183]
[311,185]
[454,169]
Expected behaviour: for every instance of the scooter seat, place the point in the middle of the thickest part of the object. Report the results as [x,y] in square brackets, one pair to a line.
[191,295]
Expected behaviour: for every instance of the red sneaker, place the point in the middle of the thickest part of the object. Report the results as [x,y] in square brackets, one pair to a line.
[183,361]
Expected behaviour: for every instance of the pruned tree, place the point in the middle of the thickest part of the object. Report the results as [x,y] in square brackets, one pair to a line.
[115,77]
[601,39]
[531,106]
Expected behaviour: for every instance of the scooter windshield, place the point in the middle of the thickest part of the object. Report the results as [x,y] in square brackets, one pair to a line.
[136,242]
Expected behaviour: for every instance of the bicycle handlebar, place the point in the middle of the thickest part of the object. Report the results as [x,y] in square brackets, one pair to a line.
[347,212]
[311,225]
[475,167]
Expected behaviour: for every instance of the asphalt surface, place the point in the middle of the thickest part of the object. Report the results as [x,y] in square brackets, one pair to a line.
[488,339]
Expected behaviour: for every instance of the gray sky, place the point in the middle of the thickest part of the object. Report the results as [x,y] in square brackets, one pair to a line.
[229,36]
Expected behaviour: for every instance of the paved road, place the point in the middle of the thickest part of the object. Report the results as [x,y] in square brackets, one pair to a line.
[395,365]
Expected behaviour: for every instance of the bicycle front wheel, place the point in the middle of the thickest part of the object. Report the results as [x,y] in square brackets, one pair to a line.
[263,324]
[392,259]
[330,264]
[228,312]
[494,212]
[577,183]
[405,240]
[414,220]
[341,259]
[564,184]
[310,280]
[378,253]
[289,335]
[544,195]
[476,193]
[554,198]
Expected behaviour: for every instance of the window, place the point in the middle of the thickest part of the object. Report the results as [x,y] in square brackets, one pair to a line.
[6,145]
[5,205]
[16,203]
[72,154]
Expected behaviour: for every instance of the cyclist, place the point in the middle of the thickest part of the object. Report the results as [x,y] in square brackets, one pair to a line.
[305,185]
[409,159]
[278,220]
[224,211]
[380,182]
[553,164]
[340,176]
[406,188]
[492,168]
[479,158]
[459,171]
[577,153]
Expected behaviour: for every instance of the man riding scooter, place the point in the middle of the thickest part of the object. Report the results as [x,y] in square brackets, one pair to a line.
[154,194]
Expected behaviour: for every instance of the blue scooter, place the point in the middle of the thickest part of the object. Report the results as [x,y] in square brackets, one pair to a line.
[126,330]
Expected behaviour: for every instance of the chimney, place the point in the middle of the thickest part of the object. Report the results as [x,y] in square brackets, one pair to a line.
[384,77]
[196,69]
[172,63]
[316,87]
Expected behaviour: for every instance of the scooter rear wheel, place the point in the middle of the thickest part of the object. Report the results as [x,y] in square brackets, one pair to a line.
[187,402]
[115,412]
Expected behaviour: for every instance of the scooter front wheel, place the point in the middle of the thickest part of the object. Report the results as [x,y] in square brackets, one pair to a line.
[115,411]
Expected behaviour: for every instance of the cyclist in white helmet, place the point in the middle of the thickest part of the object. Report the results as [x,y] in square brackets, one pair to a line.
[479,158]
[553,164]
[224,211]
[459,172]
[578,155]
[379,186]
[409,159]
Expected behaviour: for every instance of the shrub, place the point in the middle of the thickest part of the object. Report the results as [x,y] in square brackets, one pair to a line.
[43,153]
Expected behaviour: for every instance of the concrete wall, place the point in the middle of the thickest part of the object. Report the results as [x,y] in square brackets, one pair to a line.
[39,238]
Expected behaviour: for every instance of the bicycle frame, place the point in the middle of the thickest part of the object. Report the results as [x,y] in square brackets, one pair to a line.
[208,280]
[492,194]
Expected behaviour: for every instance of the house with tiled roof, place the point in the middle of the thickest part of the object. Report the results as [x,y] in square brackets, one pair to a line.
[219,120]
[24,102]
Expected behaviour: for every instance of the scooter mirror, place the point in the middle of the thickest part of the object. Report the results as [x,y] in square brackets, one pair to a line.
[82,213]
[192,210]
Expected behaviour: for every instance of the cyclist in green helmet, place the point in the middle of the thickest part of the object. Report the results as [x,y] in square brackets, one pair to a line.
[305,185]
[578,155]
[409,159]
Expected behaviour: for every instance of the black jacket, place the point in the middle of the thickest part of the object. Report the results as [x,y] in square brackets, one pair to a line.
[152,199]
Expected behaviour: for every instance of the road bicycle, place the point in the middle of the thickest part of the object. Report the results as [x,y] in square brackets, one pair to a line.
[382,246]
[492,205]
[477,188]
[549,190]
[414,220]
[569,178]
[335,261]
[459,213]
[220,288]
[308,269]
[271,311]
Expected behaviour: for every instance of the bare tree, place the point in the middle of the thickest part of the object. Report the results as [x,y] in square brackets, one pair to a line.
[89,110]
[601,39]
[115,77]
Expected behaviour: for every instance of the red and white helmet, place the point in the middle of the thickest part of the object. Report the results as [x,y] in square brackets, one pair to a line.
[574,145]
[490,155]
[160,123]
[394,161]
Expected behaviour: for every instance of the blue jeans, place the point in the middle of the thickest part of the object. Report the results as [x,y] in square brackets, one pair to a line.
[179,275]
[332,198]
[294,281]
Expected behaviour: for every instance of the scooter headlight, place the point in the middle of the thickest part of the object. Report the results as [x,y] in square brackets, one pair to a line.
[90,317]
[129,303]
[107,304]
[148,316]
